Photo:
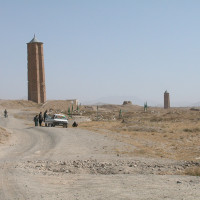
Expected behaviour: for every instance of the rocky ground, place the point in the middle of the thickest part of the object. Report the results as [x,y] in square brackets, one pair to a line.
[121,166]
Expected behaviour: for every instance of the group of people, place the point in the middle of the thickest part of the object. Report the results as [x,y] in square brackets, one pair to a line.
[39,118]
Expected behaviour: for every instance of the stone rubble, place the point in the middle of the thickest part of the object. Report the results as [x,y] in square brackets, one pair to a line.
[92,166]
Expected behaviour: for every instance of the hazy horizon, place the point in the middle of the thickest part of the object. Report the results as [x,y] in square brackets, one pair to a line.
[118,100]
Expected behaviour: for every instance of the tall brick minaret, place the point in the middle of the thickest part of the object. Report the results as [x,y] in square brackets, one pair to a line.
[36,73]
[166,100]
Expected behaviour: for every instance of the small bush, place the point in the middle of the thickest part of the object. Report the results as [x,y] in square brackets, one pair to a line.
[164,135]
[156,119]
[193,171]
[191,130]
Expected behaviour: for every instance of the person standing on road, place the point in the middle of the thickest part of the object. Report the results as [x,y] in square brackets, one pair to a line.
[40,119]
[5,113]
[45,115]
[36,120]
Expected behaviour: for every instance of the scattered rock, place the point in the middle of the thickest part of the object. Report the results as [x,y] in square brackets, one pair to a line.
[93,166]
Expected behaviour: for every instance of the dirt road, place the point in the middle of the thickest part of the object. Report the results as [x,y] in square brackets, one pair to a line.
[59,163]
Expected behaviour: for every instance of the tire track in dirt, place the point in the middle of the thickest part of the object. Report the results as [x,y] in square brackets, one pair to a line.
[33,142]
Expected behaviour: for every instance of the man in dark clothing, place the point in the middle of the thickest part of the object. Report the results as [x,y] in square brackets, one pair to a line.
[45,115]
[40,119]
[74,124]
[5,113]
[36,120]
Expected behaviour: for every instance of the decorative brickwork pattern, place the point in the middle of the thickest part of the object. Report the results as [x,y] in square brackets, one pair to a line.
[36,73]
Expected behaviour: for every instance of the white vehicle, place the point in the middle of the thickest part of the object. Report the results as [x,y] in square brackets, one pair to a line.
[56,120]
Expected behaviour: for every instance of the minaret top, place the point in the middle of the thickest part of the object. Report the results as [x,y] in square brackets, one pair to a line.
[166,91]
[35,40]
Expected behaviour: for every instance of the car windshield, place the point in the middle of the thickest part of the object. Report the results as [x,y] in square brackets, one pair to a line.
[60,117]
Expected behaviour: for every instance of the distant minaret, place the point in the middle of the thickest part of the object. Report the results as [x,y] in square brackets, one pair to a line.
[36,74]
[166,100]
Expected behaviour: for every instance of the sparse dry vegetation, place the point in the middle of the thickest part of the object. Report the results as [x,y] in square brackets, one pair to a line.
[172,133]
[192,171]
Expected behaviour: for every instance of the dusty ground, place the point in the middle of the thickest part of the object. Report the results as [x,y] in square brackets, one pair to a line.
[104,159]
[172,133]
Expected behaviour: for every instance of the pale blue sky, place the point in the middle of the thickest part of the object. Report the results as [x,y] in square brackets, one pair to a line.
[95,49]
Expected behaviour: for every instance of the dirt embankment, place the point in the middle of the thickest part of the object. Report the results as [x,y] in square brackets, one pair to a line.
[59,106]
[18,104]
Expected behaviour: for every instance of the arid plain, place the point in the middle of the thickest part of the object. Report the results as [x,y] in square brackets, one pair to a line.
[130,154]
